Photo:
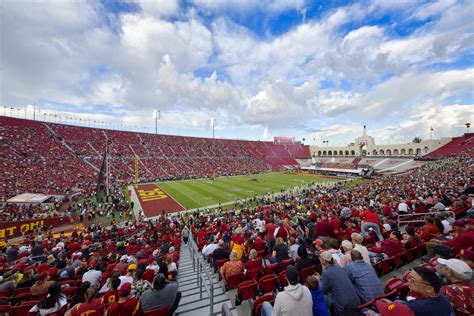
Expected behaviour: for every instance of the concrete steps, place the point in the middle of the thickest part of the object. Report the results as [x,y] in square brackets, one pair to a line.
[188,284]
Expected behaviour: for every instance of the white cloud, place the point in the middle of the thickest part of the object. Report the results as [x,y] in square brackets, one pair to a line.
[159,8]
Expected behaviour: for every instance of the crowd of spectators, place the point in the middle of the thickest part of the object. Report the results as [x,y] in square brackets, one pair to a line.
[346,233]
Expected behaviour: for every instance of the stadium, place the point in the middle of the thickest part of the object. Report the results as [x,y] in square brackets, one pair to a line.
[113,208]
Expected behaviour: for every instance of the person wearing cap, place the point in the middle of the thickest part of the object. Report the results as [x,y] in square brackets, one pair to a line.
[345,258]
[426,284]
[41,286]
[363,278]
[163,293]
[357,240]
[126,304]
[128,278]
[460,292]
[467,255]
[337,286]
[295,300]
[122,266]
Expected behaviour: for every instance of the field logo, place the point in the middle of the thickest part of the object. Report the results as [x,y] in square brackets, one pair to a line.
[152,195]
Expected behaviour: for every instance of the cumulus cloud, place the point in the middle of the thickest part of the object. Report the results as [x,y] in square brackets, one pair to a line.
[194,65]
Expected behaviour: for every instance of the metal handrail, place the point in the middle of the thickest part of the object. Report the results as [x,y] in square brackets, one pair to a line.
[199,264]
[400,221]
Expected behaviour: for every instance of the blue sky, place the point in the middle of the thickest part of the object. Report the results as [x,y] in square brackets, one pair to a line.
[318,70]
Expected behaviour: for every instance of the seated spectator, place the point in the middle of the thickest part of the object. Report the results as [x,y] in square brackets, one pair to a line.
[335,282]
[52,302]
[254,262]
[357,240]
[79,296]
[139,285]
[410,239]
[91,306]
[220,253]
[172,268]
[363,278]
[303,261]
[467,256]
[42,285]
[112,295]
[280,251]
[345,258]
[94,276]
[126,304]
[426,284]
[232,267]
[128,278]
[293,247]
[209,248]
[295,300]
[320,307]
[163,293]
[389,247]
[430,230]
[460,292]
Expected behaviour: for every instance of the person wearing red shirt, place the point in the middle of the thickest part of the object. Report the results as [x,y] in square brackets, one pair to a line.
[430,230]
[237,243]
[112,295]
[92,306]
[281,231]
[336,226]
[259,244]
[126,305]
[254,262]
[323,229]
[371,220]
[269,232]
[390,247]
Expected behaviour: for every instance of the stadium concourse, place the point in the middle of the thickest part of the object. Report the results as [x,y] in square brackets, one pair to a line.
[398,244]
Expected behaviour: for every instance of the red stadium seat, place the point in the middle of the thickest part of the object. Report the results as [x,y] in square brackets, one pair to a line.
[245,291]
[268,284]
[257,304]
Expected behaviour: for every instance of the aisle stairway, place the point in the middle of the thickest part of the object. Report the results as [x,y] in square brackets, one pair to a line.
[191,303]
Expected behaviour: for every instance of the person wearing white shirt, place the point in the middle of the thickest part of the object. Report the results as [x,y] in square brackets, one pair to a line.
[94,276]
[403,207]
[209,248]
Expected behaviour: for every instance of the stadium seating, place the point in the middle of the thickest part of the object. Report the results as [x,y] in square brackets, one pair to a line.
[53,158]
[455,147]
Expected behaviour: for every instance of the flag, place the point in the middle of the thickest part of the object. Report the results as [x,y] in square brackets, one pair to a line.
[101,181]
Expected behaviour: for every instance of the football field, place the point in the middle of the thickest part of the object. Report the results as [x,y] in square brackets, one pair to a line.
[174,196]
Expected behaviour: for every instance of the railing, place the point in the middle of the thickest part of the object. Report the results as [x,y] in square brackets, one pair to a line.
[400,221]
[203,274]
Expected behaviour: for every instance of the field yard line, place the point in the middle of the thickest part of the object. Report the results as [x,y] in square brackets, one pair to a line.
[201,189]
[171,196]
[189,196]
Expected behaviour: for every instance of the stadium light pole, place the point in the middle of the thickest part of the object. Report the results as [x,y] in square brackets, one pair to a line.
[213,124]
[156,116]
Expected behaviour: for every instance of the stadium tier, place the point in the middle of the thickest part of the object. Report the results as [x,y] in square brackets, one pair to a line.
[455,147]
[53,158]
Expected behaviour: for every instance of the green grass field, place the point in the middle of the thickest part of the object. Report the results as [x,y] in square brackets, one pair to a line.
[201,193]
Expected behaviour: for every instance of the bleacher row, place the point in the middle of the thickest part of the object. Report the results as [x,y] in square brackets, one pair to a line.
[53,158]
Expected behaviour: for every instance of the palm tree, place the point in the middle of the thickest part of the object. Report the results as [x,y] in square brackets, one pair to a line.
[467,126]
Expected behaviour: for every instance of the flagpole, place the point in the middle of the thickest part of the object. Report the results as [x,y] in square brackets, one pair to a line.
[107,170]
